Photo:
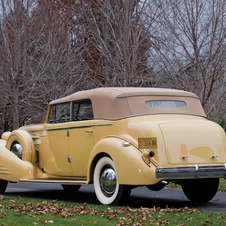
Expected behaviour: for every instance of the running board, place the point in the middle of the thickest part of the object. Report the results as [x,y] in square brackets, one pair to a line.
[54,181]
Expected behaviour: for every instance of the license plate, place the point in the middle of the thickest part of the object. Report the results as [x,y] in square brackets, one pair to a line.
[148,142]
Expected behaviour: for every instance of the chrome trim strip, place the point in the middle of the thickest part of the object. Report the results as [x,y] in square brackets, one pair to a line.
[52,181]
[192,172]
[4,169]
[76,127]
[72,127]
[31,131]
[79,127]
[5,172]
[146,114]
[92,125]
[63,128]
[146,162]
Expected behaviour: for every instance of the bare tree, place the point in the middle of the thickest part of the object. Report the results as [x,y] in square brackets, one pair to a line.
[116,40]
[14,39]
[58,59]
[190,51]
[38,62]
[49,49]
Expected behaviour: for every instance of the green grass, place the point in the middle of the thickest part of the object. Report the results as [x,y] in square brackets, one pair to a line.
[18,211]
[173,186]
[222,185]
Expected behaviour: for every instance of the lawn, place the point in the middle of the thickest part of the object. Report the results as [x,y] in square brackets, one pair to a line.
[19,211]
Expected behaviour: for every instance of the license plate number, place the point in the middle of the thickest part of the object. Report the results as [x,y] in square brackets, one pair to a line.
[148,142]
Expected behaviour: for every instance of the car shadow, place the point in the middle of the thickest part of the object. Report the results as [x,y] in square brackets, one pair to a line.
[140,197]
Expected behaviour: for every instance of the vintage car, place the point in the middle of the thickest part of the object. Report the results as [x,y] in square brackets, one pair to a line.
[118,139]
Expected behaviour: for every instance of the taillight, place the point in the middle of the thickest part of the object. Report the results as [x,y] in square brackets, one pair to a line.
[151,153]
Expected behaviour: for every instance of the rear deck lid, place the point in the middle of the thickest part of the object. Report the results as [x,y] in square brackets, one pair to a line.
[193,142]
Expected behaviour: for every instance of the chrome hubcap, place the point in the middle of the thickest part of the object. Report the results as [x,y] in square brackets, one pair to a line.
[17,150]
[108,181]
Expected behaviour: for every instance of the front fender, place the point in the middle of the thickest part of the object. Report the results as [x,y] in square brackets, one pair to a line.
[130,167]
[11,167]
[25,140]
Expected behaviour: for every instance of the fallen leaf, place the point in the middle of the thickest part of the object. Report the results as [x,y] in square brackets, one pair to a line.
[111,217]
[74,219]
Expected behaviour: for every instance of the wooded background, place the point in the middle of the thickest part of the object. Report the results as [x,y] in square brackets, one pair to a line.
[52,48]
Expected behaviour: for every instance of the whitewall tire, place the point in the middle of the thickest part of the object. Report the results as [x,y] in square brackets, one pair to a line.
[106,186]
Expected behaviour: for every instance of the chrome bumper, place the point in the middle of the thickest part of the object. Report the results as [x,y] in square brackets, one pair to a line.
[192,172]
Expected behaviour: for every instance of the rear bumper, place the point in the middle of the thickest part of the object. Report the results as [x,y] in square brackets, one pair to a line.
[192,172]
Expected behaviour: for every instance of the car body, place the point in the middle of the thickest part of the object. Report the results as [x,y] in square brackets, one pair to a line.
[118,139]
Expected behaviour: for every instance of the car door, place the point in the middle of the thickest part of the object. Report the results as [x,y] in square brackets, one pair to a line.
[81,136]
[57,129]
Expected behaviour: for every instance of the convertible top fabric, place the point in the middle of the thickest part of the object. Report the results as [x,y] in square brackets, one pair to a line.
[120,102]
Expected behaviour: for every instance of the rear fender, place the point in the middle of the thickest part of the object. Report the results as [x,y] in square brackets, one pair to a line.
[25,140]
[131,168]
[11,167]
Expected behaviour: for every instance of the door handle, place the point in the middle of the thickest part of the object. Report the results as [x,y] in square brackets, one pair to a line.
[89,131]
[68,132]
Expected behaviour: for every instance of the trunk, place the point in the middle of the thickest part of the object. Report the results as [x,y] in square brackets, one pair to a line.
[193,143]
[15,106]
[15,118]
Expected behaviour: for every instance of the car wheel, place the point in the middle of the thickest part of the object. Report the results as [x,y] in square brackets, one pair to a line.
[106,186]
[71,188]
[3,185]
[17,149]
[200,191]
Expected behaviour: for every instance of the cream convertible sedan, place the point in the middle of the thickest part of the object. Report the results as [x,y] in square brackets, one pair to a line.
[118,139]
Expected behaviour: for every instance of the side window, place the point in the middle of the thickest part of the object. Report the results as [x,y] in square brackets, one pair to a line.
[75,111]
[82,110]
[59,113]
[52,114]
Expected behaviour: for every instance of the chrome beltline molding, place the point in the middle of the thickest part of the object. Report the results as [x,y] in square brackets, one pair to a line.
[192,172]
[71,127]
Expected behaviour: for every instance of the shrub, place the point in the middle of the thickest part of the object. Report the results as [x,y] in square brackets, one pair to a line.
[218,119]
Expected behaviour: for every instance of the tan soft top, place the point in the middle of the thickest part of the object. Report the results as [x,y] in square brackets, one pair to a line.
[120,102]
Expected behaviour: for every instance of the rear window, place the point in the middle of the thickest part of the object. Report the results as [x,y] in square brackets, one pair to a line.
[165,104]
